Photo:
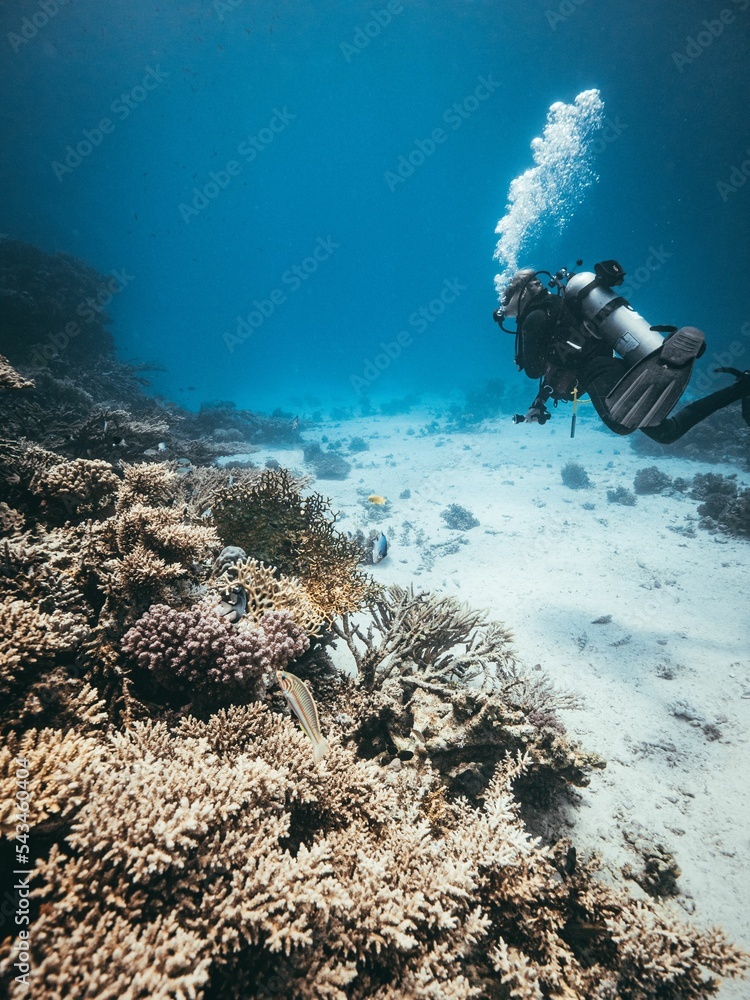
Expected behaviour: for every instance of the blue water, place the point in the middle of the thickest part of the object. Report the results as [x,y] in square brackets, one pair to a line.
[256,138]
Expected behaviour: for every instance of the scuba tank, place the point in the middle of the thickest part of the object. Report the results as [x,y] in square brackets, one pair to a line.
[609,316]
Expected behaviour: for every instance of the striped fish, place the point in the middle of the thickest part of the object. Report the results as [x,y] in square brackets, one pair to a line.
[300,700]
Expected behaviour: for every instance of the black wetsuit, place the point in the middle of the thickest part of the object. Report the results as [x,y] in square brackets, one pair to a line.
[602,374]
[594,370]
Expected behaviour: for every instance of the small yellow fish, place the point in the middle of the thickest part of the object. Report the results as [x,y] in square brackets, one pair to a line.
[374,498]
[300,700]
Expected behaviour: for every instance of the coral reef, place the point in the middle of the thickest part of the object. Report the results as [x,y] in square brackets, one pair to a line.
[725,505]
[182,845]
[326,464]
[31,639]
[575,476]
[651,480]
[214,859]
[459,518]
[659,871]
[51,304]
[622,495]
[222,421]
[275,524]
[366,544]
[735,517]
[267,590]
[197,651]
[74,490]
[82,402]
[437,681]
[9,377]
[150,545]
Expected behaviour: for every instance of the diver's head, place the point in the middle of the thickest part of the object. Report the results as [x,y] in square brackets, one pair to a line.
[522,288]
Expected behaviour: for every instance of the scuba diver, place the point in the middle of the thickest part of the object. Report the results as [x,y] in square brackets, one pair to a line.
[586,339]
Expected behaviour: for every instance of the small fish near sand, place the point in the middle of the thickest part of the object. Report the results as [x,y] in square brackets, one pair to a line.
[377,499]
[300,700]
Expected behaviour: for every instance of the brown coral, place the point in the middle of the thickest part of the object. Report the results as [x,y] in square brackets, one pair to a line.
[438,680]
[149,547]
[82,487]
[30,639]
[275,524]
[56,760]
[267,591]
[9,377]
[240,863]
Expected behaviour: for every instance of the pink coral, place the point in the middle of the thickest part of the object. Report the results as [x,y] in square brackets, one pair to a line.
[197,649]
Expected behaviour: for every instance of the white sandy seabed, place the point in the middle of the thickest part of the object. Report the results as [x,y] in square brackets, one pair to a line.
[664,686]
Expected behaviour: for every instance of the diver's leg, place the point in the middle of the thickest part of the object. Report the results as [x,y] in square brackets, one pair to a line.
[674,427]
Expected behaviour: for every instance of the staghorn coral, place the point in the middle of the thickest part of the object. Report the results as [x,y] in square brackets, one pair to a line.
[204,483]
[438,681]
[150,549]
[21,462]
[57,698]
[47,569]
[217,860]
[148,485]
[11,521]
[135,580]
[275,524]
[56,759]
[197,650]
[163,531]
[424,629]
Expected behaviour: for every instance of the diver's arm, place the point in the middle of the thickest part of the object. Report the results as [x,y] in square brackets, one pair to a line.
[537,332]
[537,413]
